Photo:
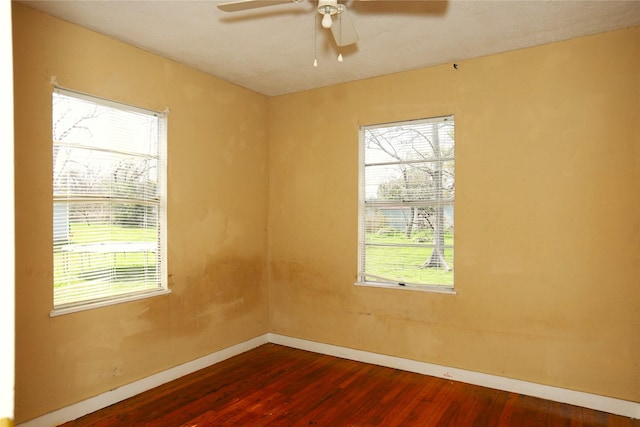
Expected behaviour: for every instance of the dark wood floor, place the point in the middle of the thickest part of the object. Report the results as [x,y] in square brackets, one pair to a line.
[279,386]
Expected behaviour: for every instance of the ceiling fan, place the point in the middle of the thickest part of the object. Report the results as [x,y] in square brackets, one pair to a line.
[344,32]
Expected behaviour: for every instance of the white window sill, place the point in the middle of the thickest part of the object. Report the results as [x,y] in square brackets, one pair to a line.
[89,305]
[420,288]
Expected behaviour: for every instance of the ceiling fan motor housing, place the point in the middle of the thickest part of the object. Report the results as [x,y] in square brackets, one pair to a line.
[330,7]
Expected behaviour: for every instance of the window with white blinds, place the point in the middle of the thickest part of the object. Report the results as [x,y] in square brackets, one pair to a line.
[109,191]
[407,189]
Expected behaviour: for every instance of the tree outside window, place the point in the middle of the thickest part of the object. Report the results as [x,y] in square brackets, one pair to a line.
[406,203]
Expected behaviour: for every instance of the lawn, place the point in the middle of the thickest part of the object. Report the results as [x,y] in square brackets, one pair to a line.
[402,262]
[84,268]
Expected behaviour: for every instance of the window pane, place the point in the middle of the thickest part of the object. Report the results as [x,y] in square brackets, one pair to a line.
[422,141]
[83,172]
[408,180]
[107,198]
[77,121]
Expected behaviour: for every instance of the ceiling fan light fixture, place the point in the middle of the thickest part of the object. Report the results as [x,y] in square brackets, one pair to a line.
[328,8]
[326,19]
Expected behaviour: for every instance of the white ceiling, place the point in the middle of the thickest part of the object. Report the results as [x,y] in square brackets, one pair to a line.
[271,49]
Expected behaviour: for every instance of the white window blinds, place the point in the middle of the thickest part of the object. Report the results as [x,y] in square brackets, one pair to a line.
[407,188]
[108,200]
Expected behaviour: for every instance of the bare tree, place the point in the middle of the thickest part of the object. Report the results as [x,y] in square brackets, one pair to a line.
[437,259]
[84,167]
[421,178]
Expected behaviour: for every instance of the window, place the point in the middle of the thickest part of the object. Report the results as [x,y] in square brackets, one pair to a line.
[407,185]
[109,191]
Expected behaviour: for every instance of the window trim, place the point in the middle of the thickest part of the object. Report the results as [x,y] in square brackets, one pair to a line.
[440,289]
[434,289]
[163,288]
[92,304]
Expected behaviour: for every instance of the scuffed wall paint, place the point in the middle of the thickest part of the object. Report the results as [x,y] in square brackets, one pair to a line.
[547,216]
[217,192]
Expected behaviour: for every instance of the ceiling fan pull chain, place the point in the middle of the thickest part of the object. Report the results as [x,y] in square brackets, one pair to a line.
[315,41]
[339,37]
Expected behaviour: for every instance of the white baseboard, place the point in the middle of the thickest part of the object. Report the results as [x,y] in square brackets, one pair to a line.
[587,400]
[592,401]
[103,400]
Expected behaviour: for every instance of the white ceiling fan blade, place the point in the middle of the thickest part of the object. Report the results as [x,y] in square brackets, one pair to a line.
[236,6]
[343,30]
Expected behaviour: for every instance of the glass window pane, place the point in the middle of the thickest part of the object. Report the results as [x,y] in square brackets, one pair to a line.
[407,216]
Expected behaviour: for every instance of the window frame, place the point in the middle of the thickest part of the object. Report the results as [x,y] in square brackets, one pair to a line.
[162,130]
[362,206]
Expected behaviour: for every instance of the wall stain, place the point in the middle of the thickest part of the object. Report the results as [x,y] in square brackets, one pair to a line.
[229,288]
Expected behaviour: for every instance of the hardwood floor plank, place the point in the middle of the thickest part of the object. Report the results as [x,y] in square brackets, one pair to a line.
[593,418]
[490,413]
[469,404]
[274,385]
[427,407]
[398,399]
[530,411]
[561,415]
[364,392]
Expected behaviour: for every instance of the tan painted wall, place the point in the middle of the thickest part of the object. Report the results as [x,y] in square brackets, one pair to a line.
[547,216]
[217,227]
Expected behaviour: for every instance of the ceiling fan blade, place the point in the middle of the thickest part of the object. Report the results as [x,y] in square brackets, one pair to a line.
[343,30]
[400,7]
[236,6]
